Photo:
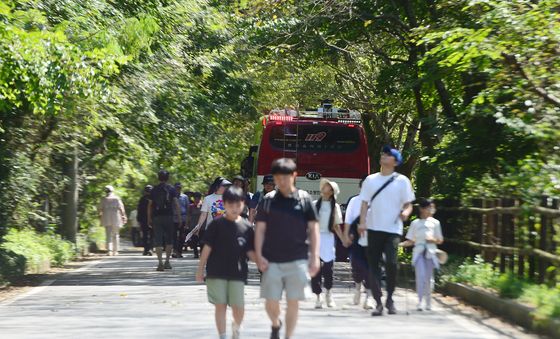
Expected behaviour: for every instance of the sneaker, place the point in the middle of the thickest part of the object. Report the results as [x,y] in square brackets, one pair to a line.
[167,265]
[174,255]
[235,330]
[160,267]
[330,300]
[115,254]
[390,305]
[319,302]
[419,307]
[378,310]
[275,331]
[357,294]
[428,305]
[367,304]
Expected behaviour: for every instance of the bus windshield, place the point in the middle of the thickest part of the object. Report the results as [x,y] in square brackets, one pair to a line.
[314,138]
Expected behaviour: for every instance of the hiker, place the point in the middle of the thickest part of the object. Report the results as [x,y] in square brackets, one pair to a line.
[193,215]
[268,186]
[228,243]
[162,206]
[357,251]
[386,201]
[213,205]
[286,223]
[424,234]
[241,182]
[330,218]
[142,218]
[112,216]
[180,226]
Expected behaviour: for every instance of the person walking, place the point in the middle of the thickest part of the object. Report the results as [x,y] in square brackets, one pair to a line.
[330,218]
[112,216]
[212,205]
[229,242]
[142,218]
[386,202]
[180,225]
[161,207]
[424,234]
[286,245]
[193,215]
[241,182]
[357,251]
[268,186]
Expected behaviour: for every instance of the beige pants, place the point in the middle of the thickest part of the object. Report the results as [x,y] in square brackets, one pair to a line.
[112,239]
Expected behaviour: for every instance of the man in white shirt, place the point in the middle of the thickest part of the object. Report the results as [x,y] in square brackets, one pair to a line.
[384,222]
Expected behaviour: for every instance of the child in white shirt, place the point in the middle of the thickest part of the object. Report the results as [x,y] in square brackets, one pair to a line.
[424,234]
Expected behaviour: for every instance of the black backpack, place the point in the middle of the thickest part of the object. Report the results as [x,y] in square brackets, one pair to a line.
[163,198]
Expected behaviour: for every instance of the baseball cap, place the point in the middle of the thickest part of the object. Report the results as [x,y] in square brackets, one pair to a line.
[394,153]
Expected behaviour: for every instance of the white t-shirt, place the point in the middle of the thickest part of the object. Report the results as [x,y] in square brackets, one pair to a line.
[419,230]
[384,212]
[213,204]
[353,211]
[325,215]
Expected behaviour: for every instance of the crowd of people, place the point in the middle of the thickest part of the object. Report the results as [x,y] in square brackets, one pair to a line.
[289,236]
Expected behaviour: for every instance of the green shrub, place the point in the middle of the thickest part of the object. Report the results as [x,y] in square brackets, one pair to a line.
[509,286]
[36,248]
[28,244]
[62,251]
[476,273]
[546,300]
[12,265]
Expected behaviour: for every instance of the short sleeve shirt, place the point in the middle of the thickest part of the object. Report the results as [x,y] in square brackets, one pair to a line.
[286,219]
[230,241]
[384,212]
[324,214]
[213,204]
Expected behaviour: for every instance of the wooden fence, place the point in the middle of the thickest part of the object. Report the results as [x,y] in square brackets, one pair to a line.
[514,236]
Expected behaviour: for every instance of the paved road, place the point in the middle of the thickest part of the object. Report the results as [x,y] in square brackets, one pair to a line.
[124,297]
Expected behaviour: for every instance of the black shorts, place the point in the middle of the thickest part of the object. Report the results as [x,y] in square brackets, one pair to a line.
[163,230]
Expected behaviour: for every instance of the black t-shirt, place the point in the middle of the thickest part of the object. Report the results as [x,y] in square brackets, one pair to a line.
[286,221]
[230,241]
[162,197]
[142,210]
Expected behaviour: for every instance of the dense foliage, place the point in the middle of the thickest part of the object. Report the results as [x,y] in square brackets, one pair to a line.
[106,92]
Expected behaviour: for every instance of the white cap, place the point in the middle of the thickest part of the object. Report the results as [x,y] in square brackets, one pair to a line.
[334,185]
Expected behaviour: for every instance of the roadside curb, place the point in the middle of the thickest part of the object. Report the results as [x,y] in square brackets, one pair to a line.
[519,314]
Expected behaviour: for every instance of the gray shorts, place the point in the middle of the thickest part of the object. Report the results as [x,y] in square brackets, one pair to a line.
[293,277]
[163,230]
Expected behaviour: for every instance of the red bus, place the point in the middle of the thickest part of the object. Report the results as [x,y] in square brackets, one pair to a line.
[325,143]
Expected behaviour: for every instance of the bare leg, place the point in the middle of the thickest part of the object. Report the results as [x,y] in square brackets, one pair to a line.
[273,311]
[291,317]
[159,253]
[220,316]
[238,314]
[168,250]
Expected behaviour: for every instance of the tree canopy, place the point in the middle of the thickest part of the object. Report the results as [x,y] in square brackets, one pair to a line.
[107,92]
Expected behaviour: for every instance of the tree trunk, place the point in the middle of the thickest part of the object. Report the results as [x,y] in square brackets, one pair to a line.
[70,199]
